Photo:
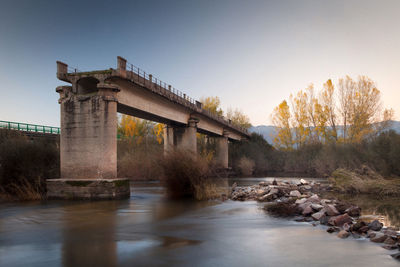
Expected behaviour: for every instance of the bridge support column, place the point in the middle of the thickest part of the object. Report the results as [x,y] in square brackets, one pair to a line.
[186,136]
[168,139]
[88,144]
[222,150]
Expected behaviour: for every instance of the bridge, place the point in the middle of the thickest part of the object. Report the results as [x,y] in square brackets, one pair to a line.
[32,131]
[89,107]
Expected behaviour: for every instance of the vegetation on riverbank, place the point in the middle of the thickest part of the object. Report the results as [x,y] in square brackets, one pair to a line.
[190,176]
[364,181]
[25,165]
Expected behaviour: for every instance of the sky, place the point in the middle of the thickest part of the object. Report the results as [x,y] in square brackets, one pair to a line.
[251,54]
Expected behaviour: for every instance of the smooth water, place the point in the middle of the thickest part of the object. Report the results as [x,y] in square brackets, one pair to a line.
[149,230]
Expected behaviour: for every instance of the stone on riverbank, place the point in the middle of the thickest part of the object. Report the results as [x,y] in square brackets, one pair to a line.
[379,238]
[343,234]
[295,193]
[375,225]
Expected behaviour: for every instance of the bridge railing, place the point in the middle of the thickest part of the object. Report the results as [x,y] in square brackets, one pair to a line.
[26,127]
[156,85]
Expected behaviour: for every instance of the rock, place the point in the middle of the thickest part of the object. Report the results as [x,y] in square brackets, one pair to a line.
[314,199]
[342,219]
[346,227]
[396,256]
[263,183]
[343,234]
[390,241]
[301,201]
[332,229]
[390,247]
[331,210]
[355,235]
[325,201]
[342,206]
[234,185]
[274,182]
[307,211]
[375,225]
[295,193]
[317,207]
[364,229]
[318,215]
[357,226]
[307,187]
[379,238]
[304,182]
[371,234]
[324,220]
[390,232]
[268,197]
[353,211]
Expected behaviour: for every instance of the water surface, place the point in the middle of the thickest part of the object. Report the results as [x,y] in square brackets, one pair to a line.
[149,230]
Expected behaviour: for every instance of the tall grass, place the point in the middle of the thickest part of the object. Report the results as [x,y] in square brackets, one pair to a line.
[189,176]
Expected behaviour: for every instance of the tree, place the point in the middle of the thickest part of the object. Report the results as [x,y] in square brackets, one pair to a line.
[301,119]
[139,130]
[327,99]
[281,119]
[212,104]
[238,118]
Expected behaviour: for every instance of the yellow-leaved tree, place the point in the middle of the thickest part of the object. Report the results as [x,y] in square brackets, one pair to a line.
[281,119]
[212,104]
[238,118]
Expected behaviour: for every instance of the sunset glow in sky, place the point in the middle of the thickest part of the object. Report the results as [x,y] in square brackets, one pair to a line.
[252,54]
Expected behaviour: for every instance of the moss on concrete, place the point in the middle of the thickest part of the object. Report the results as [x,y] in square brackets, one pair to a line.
[120,183]
[91,72]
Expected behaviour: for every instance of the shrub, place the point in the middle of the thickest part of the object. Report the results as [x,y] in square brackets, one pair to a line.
[246,166]
[26,164]
[188,176]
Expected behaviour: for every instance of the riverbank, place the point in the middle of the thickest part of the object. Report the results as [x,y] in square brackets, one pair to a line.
[302,201]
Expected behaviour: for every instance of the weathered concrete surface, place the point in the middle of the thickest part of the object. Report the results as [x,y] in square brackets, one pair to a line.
[222,151]
[88,142]
[92,189]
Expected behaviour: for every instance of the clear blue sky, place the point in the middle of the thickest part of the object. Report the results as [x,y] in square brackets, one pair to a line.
[252,54]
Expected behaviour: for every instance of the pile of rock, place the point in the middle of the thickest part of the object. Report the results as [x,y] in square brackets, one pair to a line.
[267,192]
[340,217]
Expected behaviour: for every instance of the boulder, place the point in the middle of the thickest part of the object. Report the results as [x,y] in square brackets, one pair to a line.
[346,227]
[379,238]
[317,207]
[295,193]
[314,199]
[325,201]
[390,232]
[304,182]
[396,256]
[307,187]
[371,234]
[331,210]
[301,201]
[324,220]
[357,226]
[332,229]
[318,215]
[353,211]
[364,229]
[343,234]
[268,197]
[342,207]
[274,182]
[307,211]
[390,247]
[342,219]
[375,225]
[390,241]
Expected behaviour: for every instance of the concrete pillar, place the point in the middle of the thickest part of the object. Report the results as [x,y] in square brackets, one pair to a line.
[168,139]
[222,150]
[88,144]
[185,137]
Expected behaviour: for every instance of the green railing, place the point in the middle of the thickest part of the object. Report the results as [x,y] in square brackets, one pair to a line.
[29,127]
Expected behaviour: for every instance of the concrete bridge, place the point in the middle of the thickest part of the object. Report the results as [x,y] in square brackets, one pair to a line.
[88,143]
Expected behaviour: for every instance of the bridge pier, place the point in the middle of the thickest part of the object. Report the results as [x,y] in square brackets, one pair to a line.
[186,137]
[168,139]
[222,150]
[88,143]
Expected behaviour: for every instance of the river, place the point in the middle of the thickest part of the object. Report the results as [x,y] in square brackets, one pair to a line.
[149,230]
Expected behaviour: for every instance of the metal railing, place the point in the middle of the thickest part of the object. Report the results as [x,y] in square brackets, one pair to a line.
[156,85]
[26,127]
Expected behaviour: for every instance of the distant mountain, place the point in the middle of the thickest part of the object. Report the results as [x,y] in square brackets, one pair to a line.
[268,131]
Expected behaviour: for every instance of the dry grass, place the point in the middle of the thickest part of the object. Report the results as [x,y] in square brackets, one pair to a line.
[189,176]
[364,181]
[21,192]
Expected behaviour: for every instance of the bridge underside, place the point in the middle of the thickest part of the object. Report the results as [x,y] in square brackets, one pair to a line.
[88,142]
